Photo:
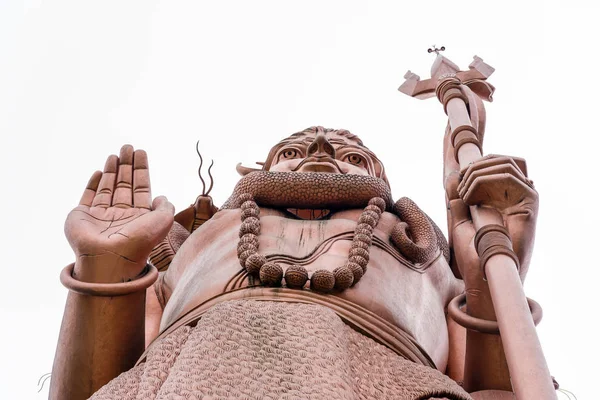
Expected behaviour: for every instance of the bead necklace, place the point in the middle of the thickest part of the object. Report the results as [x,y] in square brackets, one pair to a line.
[296,276]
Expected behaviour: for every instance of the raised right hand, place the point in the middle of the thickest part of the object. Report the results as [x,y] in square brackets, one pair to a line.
[116,225]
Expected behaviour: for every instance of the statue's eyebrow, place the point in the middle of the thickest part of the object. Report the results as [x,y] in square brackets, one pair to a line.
[354,146]
[299,141]
[338,141]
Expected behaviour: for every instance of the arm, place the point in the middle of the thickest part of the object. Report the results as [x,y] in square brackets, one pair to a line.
[494,196]
[112,232]
[100,337]
[496,182]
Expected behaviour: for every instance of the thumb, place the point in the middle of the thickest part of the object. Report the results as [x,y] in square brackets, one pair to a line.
[160,219]
[161,203]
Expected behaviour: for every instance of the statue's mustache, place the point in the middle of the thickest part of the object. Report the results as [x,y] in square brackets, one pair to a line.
[310,190]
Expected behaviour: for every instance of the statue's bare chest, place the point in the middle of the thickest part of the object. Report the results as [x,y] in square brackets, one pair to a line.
[207,265]
[312,244]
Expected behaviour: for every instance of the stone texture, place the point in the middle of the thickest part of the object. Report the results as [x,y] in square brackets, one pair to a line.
[269,350]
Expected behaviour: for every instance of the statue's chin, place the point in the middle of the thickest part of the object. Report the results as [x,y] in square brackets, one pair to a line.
[310,190]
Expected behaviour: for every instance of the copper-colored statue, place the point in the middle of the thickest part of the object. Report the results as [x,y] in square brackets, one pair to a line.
[310,281]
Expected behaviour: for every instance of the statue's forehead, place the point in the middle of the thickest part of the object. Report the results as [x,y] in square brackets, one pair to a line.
[334,137]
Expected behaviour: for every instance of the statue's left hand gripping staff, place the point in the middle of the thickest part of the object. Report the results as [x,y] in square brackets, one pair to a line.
[493,197]
[112,233]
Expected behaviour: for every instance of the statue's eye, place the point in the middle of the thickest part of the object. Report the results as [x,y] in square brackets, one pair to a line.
[354,159]
[289,153]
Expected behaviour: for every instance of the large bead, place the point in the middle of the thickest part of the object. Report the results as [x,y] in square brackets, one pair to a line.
[271,274]
[364,229]
[379,202]
[357,271]
[250,212]
[250,225]
[358,251]
[296,276]
[244,198]
[343,277]
[357,244]
[322,281]
[245,246]
[249,204]
[254,262]
[365,218]
[374,209]
[360,261]
[371,214]
[361,237]
[250,238]
[244,256]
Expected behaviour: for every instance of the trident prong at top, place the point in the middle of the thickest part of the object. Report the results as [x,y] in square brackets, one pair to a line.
[435,50]
[423,89]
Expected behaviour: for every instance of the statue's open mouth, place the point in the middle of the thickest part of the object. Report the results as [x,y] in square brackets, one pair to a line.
[309,213]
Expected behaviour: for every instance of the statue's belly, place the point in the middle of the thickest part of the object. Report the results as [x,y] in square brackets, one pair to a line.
[272,350]
[413,300]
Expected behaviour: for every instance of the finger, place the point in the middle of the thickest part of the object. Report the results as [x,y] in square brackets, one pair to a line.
[142,194]
[90,190]
[490,156]
[106,186]
[123,194]
[493,170]
[485,163]
[500,191]
[162,206]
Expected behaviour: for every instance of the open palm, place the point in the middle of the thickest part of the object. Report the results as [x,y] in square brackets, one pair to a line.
[116,222]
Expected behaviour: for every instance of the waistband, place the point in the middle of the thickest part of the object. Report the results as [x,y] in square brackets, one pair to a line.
[357,317]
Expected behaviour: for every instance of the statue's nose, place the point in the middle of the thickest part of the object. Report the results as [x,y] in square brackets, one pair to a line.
[321,147]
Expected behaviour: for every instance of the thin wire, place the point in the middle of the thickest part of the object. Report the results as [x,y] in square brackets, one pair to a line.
[563,392]
[47,376]
[211,178]
[568,393]
[200,168]
[39,380]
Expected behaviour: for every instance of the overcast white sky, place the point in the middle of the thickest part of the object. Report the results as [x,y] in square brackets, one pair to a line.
[79,79]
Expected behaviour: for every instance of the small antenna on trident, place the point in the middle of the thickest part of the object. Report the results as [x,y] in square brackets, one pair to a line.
[435,50]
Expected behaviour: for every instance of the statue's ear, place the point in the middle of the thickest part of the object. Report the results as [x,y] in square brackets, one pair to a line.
[243,171]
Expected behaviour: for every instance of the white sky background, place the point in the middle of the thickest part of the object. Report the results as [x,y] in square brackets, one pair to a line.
[79,79]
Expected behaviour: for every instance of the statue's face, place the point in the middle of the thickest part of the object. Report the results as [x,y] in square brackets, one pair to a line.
[313,164]
[327,151]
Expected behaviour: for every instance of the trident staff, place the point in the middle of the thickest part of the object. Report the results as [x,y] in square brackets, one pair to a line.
[461,92]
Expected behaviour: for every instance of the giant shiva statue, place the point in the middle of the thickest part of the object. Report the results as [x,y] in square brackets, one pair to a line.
[310,282]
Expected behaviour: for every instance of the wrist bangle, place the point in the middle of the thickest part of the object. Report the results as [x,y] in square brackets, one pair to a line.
[483,325]
[148,276]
